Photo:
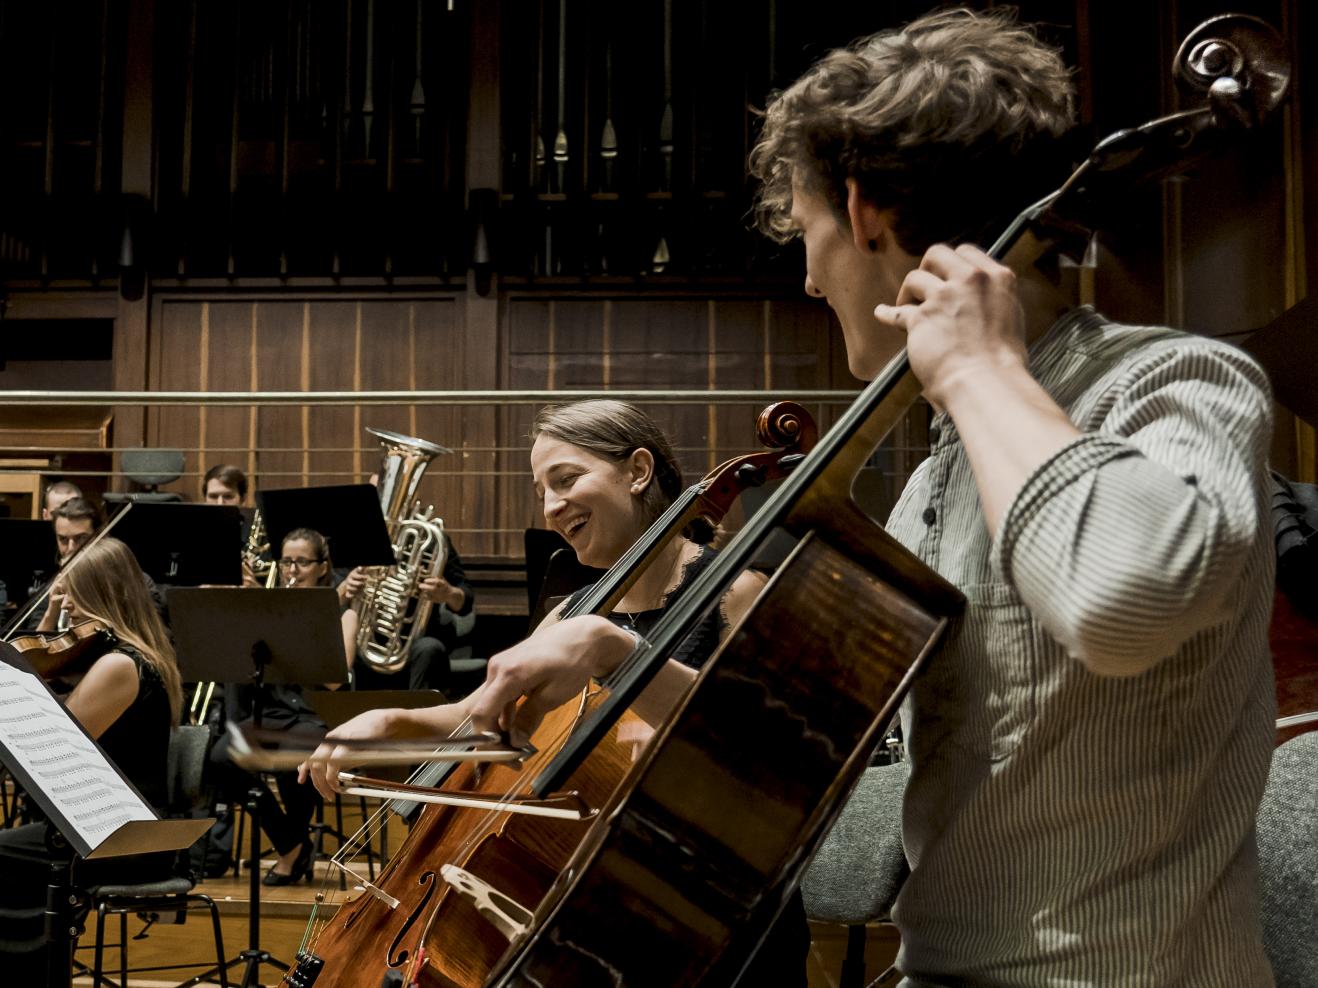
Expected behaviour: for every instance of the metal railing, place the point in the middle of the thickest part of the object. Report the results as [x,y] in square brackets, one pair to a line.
[484,491]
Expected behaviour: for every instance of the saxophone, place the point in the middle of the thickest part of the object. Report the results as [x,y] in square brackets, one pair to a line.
[258,544]
[391,611]
[265,572]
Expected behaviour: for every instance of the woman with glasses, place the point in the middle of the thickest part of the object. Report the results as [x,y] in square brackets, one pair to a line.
[304,561]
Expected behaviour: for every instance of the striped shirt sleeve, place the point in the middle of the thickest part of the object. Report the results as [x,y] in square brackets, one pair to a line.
[1126,541]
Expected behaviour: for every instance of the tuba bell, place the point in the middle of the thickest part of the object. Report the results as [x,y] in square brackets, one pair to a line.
[390,609]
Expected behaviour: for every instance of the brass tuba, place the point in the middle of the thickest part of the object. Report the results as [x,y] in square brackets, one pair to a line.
[390,609]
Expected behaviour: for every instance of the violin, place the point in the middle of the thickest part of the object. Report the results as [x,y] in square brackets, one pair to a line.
[67,652]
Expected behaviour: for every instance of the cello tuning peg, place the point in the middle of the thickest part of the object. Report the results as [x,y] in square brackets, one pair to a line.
[750,475]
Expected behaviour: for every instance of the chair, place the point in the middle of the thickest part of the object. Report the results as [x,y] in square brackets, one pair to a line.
[187,758]
[552,572]
[1288,862]
[147,469]
[861,865]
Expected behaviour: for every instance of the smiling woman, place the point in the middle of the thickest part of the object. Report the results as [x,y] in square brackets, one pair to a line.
[603,471]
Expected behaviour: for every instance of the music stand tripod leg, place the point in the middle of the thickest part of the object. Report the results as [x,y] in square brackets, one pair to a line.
[253,957]
[61,933]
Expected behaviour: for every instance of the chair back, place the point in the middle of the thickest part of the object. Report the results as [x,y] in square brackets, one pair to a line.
[861,865]
[1288,862]
[552,573]
[187,761]
[146,470]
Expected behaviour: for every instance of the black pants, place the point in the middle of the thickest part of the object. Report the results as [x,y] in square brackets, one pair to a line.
[427,669]
[288,825]
[25,873]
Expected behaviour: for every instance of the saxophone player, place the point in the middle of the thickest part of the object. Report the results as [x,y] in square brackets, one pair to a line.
[226,484]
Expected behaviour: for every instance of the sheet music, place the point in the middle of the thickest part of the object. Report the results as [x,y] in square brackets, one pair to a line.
[40,737]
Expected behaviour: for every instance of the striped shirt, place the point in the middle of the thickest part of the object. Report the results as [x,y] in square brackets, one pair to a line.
[1090,744]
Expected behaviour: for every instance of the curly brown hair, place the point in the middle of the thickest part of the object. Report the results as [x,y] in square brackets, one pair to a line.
[953,122]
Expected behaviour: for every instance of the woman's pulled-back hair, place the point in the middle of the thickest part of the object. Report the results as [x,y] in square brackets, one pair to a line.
[614,430]
[319,545]
[107,585]
[953,122]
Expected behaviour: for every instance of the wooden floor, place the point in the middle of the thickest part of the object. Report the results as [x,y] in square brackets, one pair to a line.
[285,911]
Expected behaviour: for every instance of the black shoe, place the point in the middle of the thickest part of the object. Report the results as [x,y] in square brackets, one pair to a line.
[301,869]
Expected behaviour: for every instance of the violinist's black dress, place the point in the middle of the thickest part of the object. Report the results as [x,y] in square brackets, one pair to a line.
[138,743]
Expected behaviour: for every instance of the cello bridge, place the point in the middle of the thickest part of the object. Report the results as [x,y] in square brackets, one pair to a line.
[511,918]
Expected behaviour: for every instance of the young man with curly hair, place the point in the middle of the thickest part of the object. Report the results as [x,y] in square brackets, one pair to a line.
[1089,746]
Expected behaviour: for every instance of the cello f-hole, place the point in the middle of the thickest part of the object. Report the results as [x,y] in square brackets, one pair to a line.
[427,880]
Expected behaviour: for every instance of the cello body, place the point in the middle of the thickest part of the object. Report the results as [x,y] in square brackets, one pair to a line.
[520,854]
[695,855]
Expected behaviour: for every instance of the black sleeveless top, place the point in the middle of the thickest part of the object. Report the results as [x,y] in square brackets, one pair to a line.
[138,742]
[703,641]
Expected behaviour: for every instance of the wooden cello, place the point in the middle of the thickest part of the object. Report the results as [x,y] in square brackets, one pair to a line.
[414,921]
[689,862]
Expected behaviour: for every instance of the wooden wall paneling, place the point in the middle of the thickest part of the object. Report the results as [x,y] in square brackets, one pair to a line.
[530,363]
[333,367]
[176,347]
[737,349]
[231,434]
[282,364]
[582,354]
[387,364]
[737,361]
[481,316]
[439,358]
[663,344]
[807,351]
[479,364]
[1233,235]
[558,344]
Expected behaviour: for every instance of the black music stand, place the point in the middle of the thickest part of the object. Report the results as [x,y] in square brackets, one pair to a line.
[280,636]
[185,545]
[29,557]
[348,515]
[61,767]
